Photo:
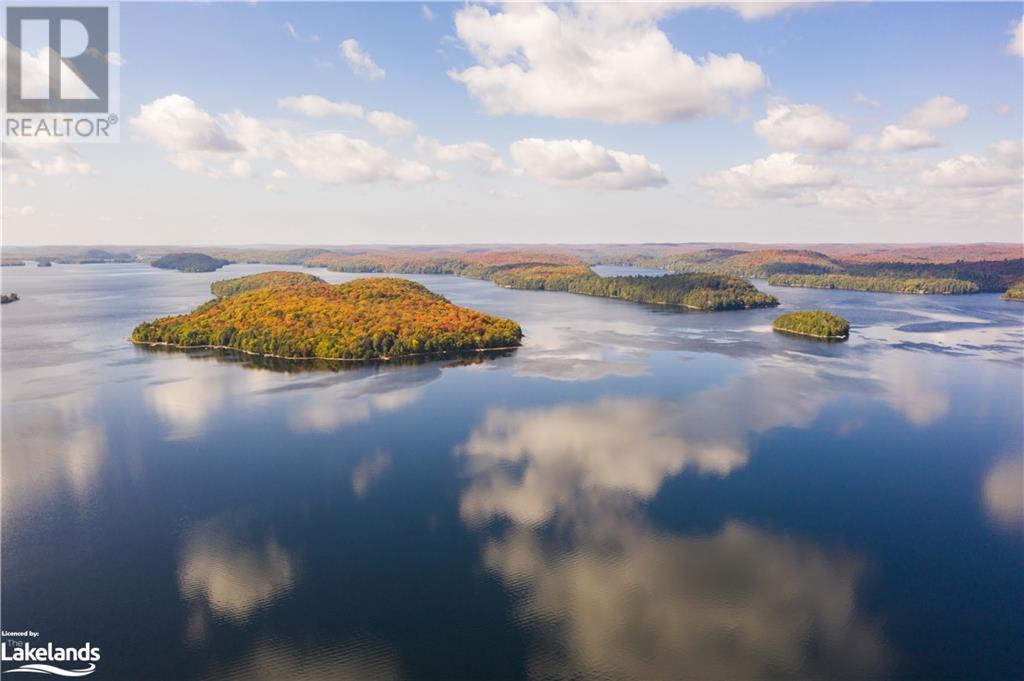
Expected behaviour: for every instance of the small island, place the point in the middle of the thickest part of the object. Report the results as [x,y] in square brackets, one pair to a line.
[1015,292]
[276,314]
[814,324]
[8,298]
[189,262]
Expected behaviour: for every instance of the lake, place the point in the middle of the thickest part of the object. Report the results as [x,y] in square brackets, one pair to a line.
[636,493]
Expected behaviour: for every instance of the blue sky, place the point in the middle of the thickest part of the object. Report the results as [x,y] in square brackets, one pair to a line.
[560,123]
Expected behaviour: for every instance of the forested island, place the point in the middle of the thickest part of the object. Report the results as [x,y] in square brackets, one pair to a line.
[275,314]
[555,272]
[1015,292]
[813,323]
[878,270]
[189,262]
[8,298]
[880,284]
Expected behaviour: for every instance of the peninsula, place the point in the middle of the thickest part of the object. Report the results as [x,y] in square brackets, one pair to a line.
[277,314]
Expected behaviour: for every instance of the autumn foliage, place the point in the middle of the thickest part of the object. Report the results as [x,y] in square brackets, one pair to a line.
[376,318]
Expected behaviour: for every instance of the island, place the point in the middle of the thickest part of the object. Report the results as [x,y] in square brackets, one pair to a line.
[8,298]
[44,262]
[539,271]
[380,318]
[189,262]
[877,284]
[1015,292]
[11,262]
[814,324]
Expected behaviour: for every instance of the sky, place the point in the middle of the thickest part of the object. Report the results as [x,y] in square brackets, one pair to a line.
[412,123]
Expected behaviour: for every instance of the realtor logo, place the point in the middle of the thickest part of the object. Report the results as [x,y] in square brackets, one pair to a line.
[62,71]
[58,60]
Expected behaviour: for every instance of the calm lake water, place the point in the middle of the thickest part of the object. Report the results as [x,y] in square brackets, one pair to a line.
[637,493]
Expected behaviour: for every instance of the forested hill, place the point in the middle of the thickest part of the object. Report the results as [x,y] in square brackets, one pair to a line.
[189,262]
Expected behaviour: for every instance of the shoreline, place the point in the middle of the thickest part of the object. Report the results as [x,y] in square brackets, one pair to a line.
[811,335]
[324,359]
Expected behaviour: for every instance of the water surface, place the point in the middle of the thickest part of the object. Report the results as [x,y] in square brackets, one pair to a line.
[638,492]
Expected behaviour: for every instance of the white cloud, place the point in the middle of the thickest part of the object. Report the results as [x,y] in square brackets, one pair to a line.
[320,107]
[359,61]
[480,155]
[427,13]
[1000,168]
[177,124]
[279,174]
[581,163]
[914,131]
[783,175]
[937,112]
[333,158]
[1016,45]
[390,123]
[316,106]
[902,138]
[751,11]
[862,98]
[27,158]
[795,126]
[294,34]
[595,61]
[225,147]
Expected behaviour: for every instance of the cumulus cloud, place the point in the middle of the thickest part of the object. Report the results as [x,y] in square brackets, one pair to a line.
[594,61]
[390,123]
[316,106]
[1001,167]
[914,131]
[360,62]
[782,175]
[177,124]
[27,159]
[481,156]
[1016,45]
[226,145]
[796,126]
[937,112]
[581,163]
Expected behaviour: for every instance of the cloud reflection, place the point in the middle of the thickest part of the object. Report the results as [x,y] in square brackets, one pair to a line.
[529,463]
[624,601]
[1003,492]
[234,579]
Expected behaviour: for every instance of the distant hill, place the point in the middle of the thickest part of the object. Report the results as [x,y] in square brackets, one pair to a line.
[189,262]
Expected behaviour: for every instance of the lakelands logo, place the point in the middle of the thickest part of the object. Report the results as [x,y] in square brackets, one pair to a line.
[19,649]
[61,69]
